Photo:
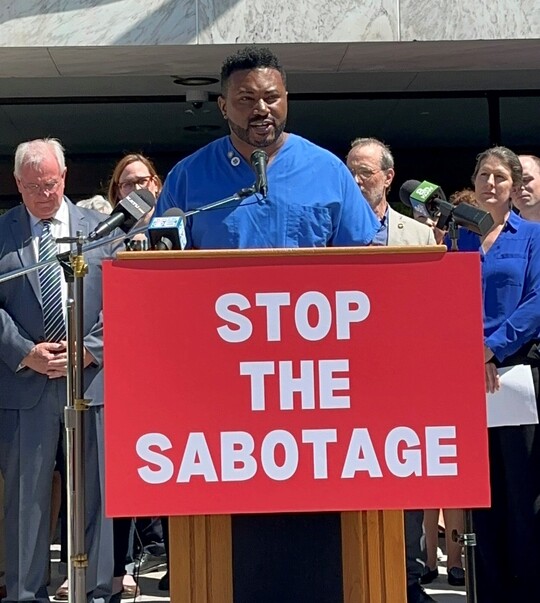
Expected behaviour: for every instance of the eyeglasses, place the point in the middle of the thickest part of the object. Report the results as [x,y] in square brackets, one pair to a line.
[130,185]
[364,173]
[47,187]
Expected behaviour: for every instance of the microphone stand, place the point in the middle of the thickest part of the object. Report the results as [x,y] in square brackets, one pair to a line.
[241,194]
[468,539]
[75,269]
[453,234]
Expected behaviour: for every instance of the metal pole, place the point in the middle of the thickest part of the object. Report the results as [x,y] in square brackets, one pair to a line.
[69,424]
[74,421]
[468,541]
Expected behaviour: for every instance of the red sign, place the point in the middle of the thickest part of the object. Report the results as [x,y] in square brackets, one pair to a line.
[294,382]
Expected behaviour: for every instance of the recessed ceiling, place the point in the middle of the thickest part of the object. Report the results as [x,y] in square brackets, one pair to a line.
[416,96]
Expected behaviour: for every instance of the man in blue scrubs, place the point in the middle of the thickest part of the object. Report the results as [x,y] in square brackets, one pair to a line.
[312,199]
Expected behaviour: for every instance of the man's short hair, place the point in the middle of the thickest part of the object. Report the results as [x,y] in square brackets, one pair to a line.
[534,158]
[32,153]
[248,58]
[387,159]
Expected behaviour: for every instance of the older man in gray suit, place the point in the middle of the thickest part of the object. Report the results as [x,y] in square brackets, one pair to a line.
[33,367]
[372,165]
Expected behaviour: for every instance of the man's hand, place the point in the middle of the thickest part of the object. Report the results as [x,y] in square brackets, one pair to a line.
[492,378]
[488,354]
[48,359]
[88,358]
[51,359]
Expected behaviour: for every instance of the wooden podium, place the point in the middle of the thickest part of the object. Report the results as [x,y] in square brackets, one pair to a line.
[372,558]
[316,522]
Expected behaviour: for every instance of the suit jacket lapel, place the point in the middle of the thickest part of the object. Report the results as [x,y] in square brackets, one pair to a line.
[20,228]
[394,233]
[77,220]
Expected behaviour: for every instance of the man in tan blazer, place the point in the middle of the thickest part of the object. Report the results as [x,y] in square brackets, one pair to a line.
[372,166]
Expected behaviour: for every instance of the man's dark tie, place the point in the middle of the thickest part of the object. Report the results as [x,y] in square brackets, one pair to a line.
[50,278]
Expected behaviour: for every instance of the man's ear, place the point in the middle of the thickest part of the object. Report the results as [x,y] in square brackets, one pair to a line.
[222,104]
[390,173]
[18,183]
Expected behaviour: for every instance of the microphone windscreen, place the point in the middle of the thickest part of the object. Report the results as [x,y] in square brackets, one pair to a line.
[169,230]
[406,190]
[258,155]
[146,195]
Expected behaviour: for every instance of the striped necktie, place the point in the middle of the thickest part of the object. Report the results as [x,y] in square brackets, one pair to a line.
[50,277]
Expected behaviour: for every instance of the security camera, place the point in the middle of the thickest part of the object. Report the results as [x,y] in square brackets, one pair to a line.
[197,98]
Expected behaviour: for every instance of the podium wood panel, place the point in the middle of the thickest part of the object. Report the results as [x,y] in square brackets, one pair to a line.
[201,559]
[373,558]
[373,553]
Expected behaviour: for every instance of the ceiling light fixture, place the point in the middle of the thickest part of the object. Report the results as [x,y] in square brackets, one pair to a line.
[195,80]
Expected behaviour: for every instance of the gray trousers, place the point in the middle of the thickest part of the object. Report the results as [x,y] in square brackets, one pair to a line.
[28,444]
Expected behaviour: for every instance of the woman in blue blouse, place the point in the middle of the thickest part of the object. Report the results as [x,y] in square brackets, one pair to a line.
[508,533]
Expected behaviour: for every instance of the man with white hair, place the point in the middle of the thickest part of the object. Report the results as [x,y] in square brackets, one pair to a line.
[33,369]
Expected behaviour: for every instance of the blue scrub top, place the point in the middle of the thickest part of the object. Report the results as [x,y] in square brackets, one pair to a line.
[312,199]
[511,285]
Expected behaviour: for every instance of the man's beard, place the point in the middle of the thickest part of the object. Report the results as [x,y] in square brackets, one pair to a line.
[374,198]
[244,134]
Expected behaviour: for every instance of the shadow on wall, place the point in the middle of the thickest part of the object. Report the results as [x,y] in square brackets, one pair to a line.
[151,22]
[38,7]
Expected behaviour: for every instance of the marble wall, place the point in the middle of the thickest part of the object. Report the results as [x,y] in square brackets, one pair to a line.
[469,19]
[57,23]
[275,21]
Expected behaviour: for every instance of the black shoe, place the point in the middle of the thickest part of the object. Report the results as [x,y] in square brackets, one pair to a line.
[429,575]
[147,563]
[416,594]
[456,576]
[163,583]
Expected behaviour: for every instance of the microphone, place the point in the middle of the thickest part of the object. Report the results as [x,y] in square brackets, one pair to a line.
[168,231]
[259,161]
[474,219]
[422,197]
[429,201]
[126,213]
